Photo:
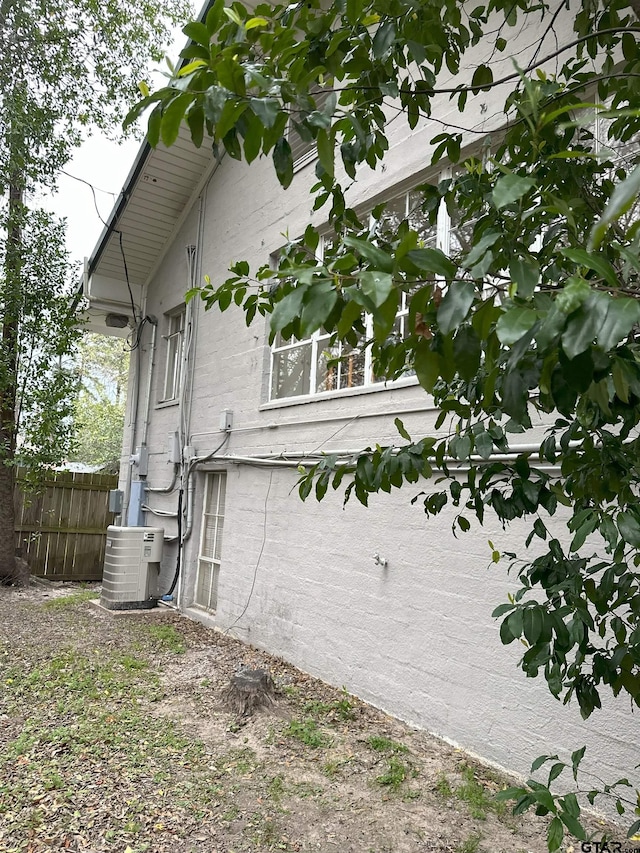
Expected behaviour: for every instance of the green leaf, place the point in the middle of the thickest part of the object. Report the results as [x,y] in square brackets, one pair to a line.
[525,274]
[153,126]
[354,10]
[555,833]
[621,201]
[571,805]
[584,325]
[195,120]
[231,112]
[318,303]
[510,188]
[514,324]
[573,825]
[455,305]
[384,316]
[555,771]
[197,32]
[593,262]
[232,15]
[172,116]
[545,798]
[466,351]
[283,162]
[432,260]
[509,794]
[252,23]
[376,257]
[427,365]
[384,38]
[540,760]
[326,151]
[573,294]
[576,758]
[287,309]
[629,528]
[266,109]
[484,445]
[532,623]
[191,67]
[482,77]
[479,249]
[401,429]
[376,285]
[622,315]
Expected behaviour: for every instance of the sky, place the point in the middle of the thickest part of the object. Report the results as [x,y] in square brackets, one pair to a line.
[105,165]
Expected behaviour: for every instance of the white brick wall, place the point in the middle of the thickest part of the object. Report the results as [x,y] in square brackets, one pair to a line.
[415,638]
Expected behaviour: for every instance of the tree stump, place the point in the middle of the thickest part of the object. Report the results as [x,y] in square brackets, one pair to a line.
[20,576]
[249,690]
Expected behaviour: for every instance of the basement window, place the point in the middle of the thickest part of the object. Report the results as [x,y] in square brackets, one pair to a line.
[206,594]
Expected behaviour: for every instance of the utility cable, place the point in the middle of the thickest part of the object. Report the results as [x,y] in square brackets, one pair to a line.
[255,571]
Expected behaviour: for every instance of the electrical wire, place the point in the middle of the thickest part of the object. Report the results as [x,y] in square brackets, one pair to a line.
[93,192]
[179,555]
[126,275]
[255,571]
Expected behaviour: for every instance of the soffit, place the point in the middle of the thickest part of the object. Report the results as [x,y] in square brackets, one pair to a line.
[161,183]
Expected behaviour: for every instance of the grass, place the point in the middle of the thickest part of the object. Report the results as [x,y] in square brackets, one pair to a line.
[343,709]
[474,794]
[385,744]
[443,788]
[470,844]
[78,716]
[394,775]
[276,788]
[67,601]
[332,768]
[307,732]
[167,638]
[398,770]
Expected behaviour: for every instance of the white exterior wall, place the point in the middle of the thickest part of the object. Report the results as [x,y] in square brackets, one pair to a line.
[415,638]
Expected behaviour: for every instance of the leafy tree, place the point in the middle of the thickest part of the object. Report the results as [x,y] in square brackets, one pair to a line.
[534,315]
[98,411]
[66,66]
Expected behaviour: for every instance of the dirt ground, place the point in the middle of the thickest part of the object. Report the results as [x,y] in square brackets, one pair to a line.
[114,737]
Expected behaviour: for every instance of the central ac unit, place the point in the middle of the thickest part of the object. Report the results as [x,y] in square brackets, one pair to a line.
[131,567]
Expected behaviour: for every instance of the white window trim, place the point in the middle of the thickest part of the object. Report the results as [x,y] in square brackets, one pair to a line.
[173,366]
[443,233]
[219,479]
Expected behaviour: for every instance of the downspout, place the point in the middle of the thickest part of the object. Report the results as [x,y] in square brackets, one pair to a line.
[152,359]
[195,271]
[136,409]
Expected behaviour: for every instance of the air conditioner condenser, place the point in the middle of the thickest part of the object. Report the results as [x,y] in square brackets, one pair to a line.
[131,567]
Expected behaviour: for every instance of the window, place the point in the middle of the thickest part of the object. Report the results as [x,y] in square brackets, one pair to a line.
[315,366]
[303,146]
[211,542]
[174,337]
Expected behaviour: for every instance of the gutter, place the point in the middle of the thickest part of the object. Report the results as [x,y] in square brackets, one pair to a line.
[120,205]
[132,178]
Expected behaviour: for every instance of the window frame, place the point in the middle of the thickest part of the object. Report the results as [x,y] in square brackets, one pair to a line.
[216,481]
[174,354]
[442,240]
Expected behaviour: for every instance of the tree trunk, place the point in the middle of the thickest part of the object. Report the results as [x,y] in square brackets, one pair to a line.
[8,381]
[249,690]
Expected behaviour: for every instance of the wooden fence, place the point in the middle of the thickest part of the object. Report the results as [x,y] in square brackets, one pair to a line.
[61,529]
